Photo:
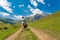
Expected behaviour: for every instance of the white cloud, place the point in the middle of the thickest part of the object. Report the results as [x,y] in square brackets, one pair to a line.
[21,5]
[17,17]
[35,11]
[26,11]
[4,14]
[29,6]
[49,13]
[41,1]
[6,5]
[31,9]
[48,4]
[34,3]
[13,6]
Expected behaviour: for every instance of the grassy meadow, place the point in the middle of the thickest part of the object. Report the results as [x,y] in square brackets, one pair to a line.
[49,24]
[7,29]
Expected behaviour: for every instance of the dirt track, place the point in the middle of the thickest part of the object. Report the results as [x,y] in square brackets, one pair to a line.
[14,36]
[41,35]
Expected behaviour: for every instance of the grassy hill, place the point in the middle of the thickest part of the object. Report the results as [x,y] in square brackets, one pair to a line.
[49,24]
[7,29]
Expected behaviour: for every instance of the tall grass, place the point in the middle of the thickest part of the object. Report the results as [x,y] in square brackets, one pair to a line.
[11,28]
[49,24]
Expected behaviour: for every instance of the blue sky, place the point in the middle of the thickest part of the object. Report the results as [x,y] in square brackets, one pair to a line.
[19,8]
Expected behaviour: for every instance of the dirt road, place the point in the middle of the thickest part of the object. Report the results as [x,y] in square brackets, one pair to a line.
[14,36]
[41,35]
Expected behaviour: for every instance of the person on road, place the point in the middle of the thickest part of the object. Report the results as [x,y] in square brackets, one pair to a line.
[23,22]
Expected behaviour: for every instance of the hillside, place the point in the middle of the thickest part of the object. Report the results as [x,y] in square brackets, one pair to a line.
[35,17]
[7,20]
[7,29]
[49,24]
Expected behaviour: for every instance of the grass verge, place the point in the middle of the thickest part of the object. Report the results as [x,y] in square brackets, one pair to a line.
[27,35]
[49,24]
[6,33]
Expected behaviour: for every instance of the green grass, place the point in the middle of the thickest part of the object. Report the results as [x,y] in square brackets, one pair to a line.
[6,33]
[27,35]
[11,29]
[49,24]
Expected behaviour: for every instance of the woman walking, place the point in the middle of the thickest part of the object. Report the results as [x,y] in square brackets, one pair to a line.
[23,22]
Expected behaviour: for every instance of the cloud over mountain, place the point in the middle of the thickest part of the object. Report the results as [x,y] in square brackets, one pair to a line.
[17,17]
[4,14]
[35,10]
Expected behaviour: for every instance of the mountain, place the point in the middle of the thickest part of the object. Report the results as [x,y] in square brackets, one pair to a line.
[39,16]
[7,20]
[32,18]
[29,19]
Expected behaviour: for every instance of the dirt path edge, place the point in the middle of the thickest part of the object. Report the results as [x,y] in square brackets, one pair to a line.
[14,36]
[41,35]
